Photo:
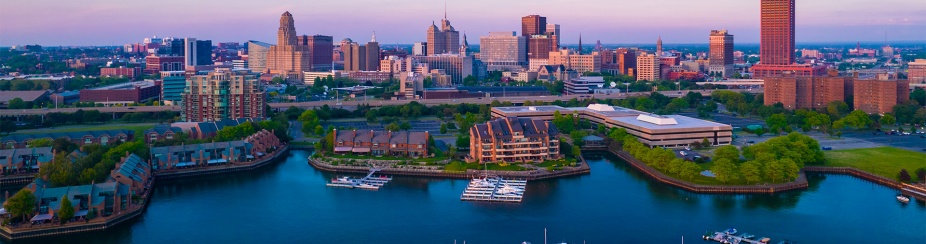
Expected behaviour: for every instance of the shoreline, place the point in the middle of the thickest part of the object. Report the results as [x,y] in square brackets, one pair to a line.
[12,234]
[540,174]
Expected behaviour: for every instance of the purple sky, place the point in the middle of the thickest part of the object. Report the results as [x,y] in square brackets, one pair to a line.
[116,22]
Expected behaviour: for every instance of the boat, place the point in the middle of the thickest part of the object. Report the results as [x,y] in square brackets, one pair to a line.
[367,186]
[747,236]
[903,199]
[731,231]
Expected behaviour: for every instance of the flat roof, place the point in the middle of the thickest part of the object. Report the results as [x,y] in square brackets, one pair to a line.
[618,114]
[127,85]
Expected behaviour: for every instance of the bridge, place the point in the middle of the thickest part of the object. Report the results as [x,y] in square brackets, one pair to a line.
[374,103]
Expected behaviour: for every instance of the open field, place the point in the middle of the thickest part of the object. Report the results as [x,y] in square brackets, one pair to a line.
[883,161]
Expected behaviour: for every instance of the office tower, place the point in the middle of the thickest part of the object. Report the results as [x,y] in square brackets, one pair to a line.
[648,67]
[321,48]
[721,53]
[173,83]
[777,32]
[626,60]
[223,94]
[504,51]
[257,56]
[420,49]
[553,32]
[204,52]
[189,52]
[443,40]
[776,50]
[288,58]
[372,55]
[355,57]
[540,46]
[457,66]
[533,25]
[176,47]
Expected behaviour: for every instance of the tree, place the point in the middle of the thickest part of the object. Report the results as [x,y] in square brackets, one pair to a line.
[443,128]
[887,119]
[858,119]
[705,142]
[760,131]
[7,127]
[405,125]
[921,174]
[728,152]
[724,170]
[462,141]
[904,176]
[21,204]
[777,123]
[16,103]
[675,166]
[751,171]
[576,151]
[773,170]
[393,127]
[689,170]
[319,130]
[837,109]
[66,211]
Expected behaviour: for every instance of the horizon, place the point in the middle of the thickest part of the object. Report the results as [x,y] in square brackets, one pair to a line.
[112,23]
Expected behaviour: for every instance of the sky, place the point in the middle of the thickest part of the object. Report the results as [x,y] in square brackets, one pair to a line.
[118,22]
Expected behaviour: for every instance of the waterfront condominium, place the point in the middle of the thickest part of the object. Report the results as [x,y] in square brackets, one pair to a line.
[392,143]
[222,94]
[513,139]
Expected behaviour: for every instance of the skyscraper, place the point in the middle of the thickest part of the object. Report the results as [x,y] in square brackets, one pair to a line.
[443,40]
[288,58]
[503,51]
[223,94]
[777,32]
[257,56]
[553,32]
[776,51]
[197,52]
[321,48]
[355,57]
[648,67]
[533,25]
[372,53]
[721,53]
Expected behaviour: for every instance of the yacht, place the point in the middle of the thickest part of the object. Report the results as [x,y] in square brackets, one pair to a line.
[903,199]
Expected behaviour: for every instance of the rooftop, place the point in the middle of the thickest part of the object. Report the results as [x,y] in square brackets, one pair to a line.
[619,114]
[127,85]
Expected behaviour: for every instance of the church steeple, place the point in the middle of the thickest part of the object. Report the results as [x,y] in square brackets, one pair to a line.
[659,46]
[580,43]
[464,47]
[374,37]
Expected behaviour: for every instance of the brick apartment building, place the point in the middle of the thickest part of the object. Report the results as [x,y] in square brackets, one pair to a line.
[879,96]
[125,93]
[130,73]
[804,92]
[399,143]
[513,139]
[155,64]
[223,94]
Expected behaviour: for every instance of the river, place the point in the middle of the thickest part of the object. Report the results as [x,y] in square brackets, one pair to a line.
[288,202]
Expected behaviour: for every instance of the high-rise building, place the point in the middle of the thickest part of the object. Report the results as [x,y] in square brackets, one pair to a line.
[288,58]
[420,49]
[456,66]
[372,53]
[222,94]
[574,61]
[721,57]
[173,83]
[321,47]
[777,32]
[648,67]
[443,40]
[533,25]
[503,51]
[540,46]
[916,71]
[795,92]
[355,57]
[197,52]
[553,32]
[257,56]
[880,95]
[776,50]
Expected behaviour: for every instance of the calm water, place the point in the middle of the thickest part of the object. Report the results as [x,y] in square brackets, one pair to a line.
[289,203]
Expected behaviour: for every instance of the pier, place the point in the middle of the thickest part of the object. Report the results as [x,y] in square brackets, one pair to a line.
[728,237]
[368,182]
[494,189]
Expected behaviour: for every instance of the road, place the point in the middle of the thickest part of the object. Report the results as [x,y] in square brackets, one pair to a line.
[375,103]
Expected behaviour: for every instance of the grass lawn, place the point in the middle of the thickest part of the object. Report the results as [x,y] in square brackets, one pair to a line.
[139,128]
[883,161]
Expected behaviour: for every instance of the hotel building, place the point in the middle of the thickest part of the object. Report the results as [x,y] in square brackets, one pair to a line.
[513,139]
[668,131]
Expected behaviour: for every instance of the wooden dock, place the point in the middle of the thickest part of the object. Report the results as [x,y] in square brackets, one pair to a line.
[494,189]
[368,182]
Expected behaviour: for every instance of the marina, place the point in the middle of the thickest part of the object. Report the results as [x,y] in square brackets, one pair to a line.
[729,236]
[368,182]
[494,189]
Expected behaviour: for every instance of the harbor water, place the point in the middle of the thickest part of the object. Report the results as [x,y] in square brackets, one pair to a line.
[289,202]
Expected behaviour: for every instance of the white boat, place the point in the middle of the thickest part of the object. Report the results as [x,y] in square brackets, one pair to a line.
[903,199]
[367,186]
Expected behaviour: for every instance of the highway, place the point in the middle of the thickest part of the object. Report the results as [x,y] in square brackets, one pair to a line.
[375,103]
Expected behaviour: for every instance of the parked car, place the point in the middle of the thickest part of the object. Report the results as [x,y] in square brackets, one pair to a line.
[827,148]
[751,142]
[683,153]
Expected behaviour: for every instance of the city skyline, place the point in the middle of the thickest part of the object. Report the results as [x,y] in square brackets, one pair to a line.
[676,21]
